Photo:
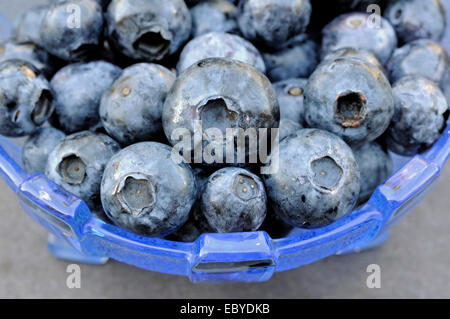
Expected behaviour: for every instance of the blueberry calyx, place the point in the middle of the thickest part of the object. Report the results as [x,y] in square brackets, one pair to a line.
[245,187]
[42,108]
[350,109]
[136,193]
[218,112]
[154,41]
[326,173]
[295,91]
[355,22]
[72,169]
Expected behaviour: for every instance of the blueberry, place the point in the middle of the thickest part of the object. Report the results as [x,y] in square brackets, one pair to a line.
[27,25]
[68,37]
[77,164]
[273,22]
[29,52]
[220,45]
[355,30]
[364,55]
[194,227]
[25,98]
[317,181]
[417,19]
[197,223]
[148,29]
[290,97]
[375,165]
[234,200]
[38,146]
[350,98]
[221,94]
[288,127]
[297,58]
[214,16]
[325,11]
[131,109]
[419,118]
[422,58]
[78,89]
[147,189]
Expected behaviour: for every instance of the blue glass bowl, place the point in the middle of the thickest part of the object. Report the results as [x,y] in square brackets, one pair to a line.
[77,235]
[253,256]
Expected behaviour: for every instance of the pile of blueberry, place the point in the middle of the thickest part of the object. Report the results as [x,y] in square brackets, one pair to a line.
[108,90]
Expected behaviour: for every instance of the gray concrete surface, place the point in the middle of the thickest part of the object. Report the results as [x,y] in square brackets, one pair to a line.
[414,263]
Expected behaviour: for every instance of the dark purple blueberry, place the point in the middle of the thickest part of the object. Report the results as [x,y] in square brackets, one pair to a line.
[38,146]
[358,30]
[27,25]
[417,19]
[297,58]
[288,127]
[218,94]
[77,164]
[26,99]
[350,98]
[375,165]
[220,45]
[364,55]
[214,16]
[419,118]
[272,22]
[234,200]
[317,181]
[29,52]
[78,89]
[148,189]
[148,29]
[290,95]
[424,58]
[72,29]
[130,110]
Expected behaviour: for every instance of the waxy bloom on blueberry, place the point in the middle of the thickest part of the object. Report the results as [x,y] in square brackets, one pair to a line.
[375,165]
[219,94]
[420,115]
[417,19]
[214,16]
[38,146]
[26,99]
[148,29]
[234,200]
[77,164]
[72,29]
[351,98]
[317,182]
[130,110]
[357,30]
[78,89]
[148,191]
[424,58]
[273,22]
[220,45]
